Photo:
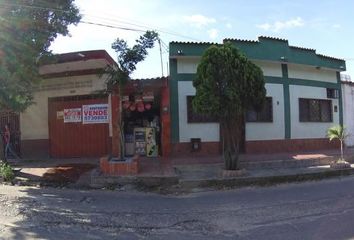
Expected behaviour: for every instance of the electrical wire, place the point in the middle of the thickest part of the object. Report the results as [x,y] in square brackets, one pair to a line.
[137,24]
[111,26]
[103,24]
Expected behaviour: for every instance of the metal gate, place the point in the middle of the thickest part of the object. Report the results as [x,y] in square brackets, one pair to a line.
[13,120]
[76,139]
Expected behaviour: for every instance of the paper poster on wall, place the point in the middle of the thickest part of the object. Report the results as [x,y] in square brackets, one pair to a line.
[60,115]
[72,115]
[95,113]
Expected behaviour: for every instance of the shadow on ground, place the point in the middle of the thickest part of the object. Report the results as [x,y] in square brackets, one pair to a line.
[60,175]
[46,214]
[68,173]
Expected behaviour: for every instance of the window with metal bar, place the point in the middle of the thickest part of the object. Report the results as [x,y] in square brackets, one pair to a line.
[315,110]
[264,115]
[193,117]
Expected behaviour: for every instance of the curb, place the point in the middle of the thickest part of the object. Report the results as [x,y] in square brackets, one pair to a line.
[176,184]
[263,181]
[99,181]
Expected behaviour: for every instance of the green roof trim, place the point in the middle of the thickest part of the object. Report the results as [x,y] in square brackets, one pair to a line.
[266,48]
[188,48]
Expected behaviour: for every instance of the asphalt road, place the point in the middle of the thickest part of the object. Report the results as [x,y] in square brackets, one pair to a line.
[313,210]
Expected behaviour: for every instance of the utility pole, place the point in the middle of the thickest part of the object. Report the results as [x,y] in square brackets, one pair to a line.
[161,57]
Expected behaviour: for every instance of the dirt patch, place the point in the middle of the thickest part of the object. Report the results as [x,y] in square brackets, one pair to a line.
[68,173]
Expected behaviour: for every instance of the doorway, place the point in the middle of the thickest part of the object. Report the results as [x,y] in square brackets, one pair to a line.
[13,120]
[74,138]
[142,124]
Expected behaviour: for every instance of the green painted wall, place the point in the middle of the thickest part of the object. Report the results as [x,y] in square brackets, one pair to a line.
[173,84]
[286,91]
[340,99]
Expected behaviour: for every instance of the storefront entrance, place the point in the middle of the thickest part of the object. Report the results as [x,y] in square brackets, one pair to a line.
[142,126]
[145,114]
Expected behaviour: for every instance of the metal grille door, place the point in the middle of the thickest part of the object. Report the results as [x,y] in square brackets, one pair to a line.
[75,139]
[13,120]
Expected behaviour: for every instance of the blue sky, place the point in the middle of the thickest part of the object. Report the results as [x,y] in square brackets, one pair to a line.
[322,25]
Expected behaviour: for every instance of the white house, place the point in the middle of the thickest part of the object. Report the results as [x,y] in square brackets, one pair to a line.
[303,98]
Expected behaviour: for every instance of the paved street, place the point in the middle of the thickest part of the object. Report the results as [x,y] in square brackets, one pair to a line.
[313,210]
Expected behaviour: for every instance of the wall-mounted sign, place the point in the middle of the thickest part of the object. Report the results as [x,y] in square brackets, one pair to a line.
[60,115]
[148,96]
[72,115]
[95,113]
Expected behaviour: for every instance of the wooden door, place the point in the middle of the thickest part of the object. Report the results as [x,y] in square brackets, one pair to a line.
[76,139]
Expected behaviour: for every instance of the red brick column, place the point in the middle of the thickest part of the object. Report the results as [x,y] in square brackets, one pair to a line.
[165,121]
[115,104]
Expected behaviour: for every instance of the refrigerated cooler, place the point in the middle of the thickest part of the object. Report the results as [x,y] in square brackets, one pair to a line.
[151,146]
[139,141]
[145,142]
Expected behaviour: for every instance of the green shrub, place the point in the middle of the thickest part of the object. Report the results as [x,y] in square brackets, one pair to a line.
[6,172]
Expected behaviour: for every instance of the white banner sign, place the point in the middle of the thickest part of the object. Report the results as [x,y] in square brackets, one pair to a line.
[72,115]
[95,113]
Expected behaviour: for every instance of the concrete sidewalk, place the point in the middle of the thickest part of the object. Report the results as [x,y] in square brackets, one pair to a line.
[248,160]
[261,169]
[191,178]
[207,172]
[186,173]
[209,176]
[53,172]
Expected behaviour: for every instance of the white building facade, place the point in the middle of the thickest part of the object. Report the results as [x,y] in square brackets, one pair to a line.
[303,98]
[348,107]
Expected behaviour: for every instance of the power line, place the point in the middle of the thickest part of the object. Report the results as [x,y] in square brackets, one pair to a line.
[101,24]
[161,43]
[144,26]
[164,46]
[111,26]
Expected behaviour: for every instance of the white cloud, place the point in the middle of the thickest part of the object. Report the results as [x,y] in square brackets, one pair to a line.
[264,26]
[228,25]
[213,33]
[336,26]
[279,26]
[199,20]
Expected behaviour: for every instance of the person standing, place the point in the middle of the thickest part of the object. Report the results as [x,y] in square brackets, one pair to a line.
[7,143]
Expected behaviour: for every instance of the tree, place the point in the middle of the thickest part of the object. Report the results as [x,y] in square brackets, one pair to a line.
[27,28]
[119,75]
[227,84]
[337,132]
